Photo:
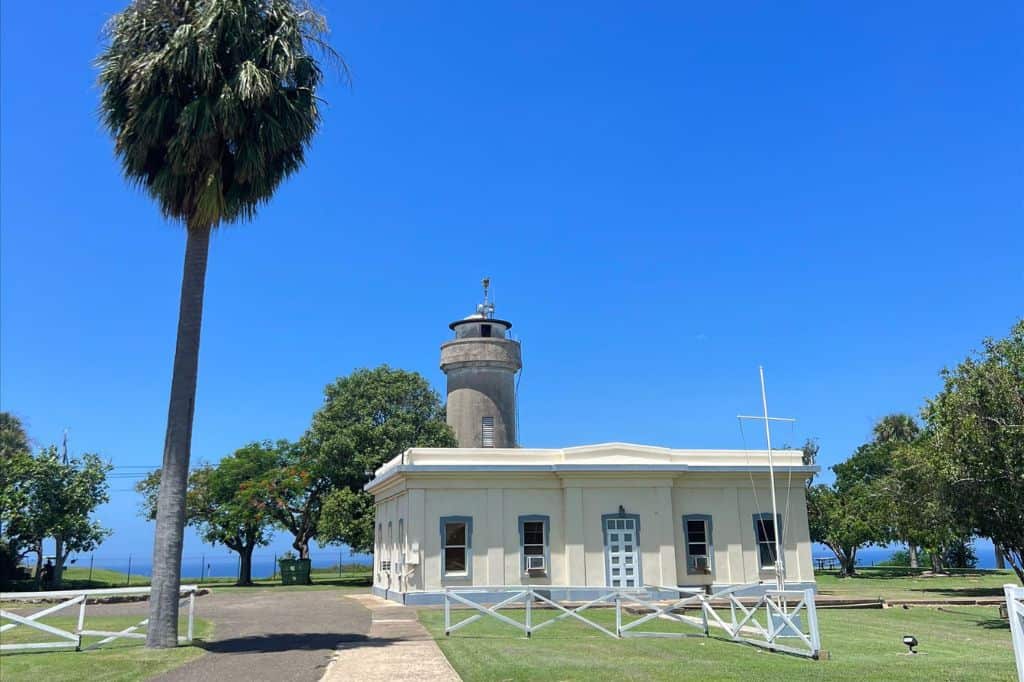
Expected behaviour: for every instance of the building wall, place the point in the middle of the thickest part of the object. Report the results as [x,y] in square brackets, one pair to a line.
[574,507]
[732,506]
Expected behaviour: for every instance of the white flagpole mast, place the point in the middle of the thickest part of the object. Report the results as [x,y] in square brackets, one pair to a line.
[780,577]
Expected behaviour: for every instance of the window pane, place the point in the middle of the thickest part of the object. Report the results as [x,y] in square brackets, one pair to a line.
[696,531]
[454,559]
[455,534]
[698,549]
[533,533]
[765,530]
[767,554]
[531,550]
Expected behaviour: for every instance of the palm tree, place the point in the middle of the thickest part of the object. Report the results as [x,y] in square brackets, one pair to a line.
[211,104]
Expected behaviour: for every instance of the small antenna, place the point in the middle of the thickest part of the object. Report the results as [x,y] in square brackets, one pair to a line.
[486,309]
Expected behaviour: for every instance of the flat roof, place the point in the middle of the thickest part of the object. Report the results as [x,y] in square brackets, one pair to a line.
[600,458]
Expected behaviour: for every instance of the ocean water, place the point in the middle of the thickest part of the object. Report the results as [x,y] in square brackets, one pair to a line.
[869,556]
[222,564]
[218,564]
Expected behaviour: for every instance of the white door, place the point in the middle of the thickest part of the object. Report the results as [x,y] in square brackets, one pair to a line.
[623,553]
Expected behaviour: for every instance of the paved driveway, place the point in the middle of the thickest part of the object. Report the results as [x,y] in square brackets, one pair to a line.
[268,634]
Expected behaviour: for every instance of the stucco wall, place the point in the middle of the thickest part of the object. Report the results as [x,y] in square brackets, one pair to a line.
[732,508]
[575,506]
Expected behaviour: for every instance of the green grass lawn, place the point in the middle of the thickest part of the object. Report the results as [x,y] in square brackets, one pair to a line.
[958,643]
[904,583]
[122,659]
[321,581]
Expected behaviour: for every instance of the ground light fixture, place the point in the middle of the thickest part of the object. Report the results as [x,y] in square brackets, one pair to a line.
[911,642]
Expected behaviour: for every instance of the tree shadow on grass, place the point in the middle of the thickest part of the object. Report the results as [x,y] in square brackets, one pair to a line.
[963,591]
[278,642]
[986,623]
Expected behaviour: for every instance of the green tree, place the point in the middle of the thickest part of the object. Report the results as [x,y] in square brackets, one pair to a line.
[211,105]
[367,418]
[15,475]
[294,491]
[810,450]
[918,500]
[844,520]
[223,503]
[62,498]
[896,428]
[857,509]
[978,425]
[871,466]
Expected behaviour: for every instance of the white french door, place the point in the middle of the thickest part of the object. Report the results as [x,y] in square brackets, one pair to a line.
[622,551]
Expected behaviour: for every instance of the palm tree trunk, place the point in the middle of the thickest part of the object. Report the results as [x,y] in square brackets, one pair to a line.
[170,506]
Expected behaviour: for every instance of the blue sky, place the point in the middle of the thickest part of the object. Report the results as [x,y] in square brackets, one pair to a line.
[666,195]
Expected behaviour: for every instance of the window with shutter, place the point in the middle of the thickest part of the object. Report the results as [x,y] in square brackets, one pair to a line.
[487,432]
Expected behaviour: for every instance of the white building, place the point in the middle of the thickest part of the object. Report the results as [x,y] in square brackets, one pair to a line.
[576,519]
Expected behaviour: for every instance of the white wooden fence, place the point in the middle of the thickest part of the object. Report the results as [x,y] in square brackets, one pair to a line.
[784,620]
[1015,610]
[72,639]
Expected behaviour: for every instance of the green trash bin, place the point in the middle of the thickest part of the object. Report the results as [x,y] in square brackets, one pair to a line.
[294,571]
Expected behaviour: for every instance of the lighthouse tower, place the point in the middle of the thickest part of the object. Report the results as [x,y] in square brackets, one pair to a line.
[481,363]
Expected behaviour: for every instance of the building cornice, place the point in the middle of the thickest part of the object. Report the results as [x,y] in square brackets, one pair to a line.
[392,474]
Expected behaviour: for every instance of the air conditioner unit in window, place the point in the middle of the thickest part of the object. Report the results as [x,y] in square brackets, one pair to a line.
[535,563]
[702,564]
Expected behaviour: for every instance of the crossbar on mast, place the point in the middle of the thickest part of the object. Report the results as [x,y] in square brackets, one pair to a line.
[771,419]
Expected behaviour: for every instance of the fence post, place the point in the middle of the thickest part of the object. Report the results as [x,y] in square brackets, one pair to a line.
[812,621]
[81,617]
[1015,610]
[191,613]
[618,615]
[529,611]
[447,614]
[129,570]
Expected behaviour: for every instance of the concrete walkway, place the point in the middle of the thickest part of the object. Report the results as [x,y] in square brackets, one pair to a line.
[398,648]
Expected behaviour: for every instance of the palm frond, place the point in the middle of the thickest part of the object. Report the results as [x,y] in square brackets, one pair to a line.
[212,103]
